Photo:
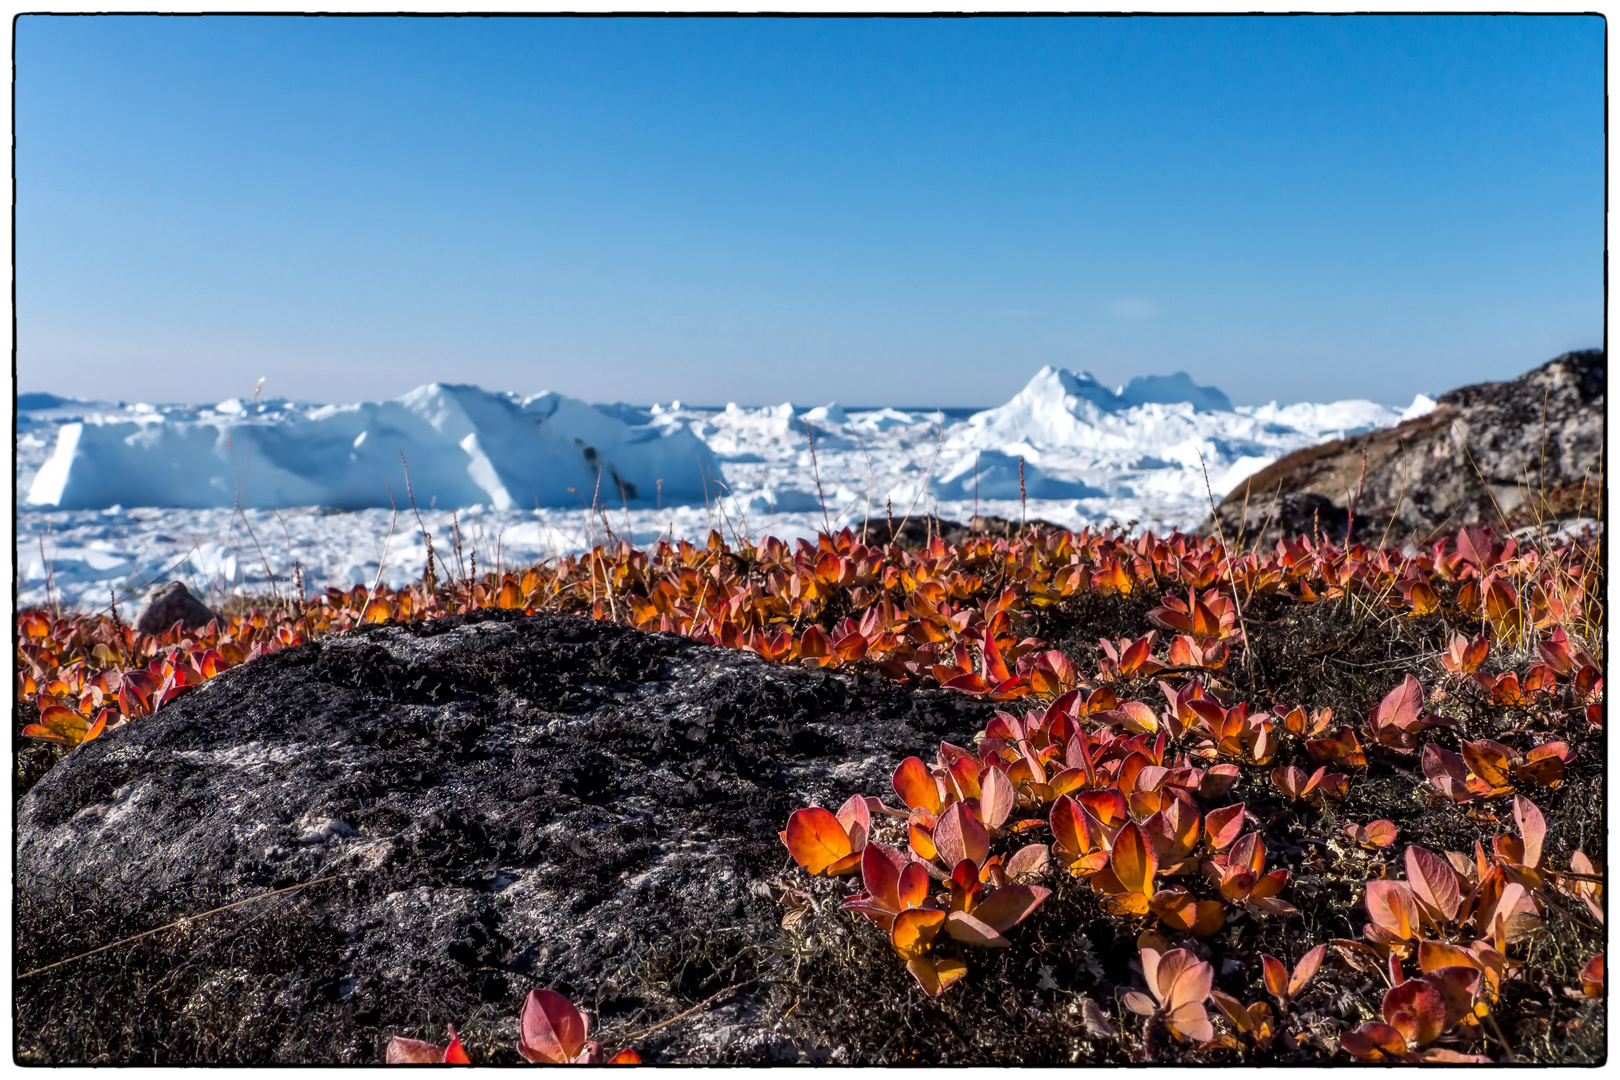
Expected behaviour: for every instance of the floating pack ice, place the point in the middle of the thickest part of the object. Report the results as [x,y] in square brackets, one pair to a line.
[464,446]
[1154,438]
[991,474]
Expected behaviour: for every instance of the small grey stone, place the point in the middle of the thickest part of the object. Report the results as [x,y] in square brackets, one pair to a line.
[172,603]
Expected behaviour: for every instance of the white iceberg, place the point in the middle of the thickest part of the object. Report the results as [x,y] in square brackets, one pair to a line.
[462,445]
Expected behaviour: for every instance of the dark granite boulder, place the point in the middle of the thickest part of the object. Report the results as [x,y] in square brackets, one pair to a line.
[504,803]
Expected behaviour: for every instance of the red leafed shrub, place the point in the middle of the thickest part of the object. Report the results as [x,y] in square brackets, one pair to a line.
[1151,772]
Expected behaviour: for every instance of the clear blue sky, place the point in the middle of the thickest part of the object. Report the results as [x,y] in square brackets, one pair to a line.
[873,211]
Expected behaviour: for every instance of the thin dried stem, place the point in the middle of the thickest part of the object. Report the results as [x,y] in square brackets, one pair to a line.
[177,922]
[1231,581]
[815,468]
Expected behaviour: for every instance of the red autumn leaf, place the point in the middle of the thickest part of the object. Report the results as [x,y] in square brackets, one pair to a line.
[960,835]
[1463,656]
[1218,780]
[1532,826]
[1305,970]
[1447,772]
[1398,718]
[893,884]
[1180,983]
[1069,829]
[551,1030]
[403,1051]
[855,817]
[1592,977]
[1341,748]
[1458,984]
[995,669]
[1375,834]
[969,929]
[1434,885]
[1417,1010]
[1393,908]
[1374,1041]
[996,797]
[1028,863]
[1222,827]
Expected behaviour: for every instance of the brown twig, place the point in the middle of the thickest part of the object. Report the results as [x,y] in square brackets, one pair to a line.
[178,922]
[1231,582]
[1350,521]
[871,482]
[705,1003]
[815,468]
[1023,501]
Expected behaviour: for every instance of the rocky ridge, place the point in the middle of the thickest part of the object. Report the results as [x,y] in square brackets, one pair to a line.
[1521,453]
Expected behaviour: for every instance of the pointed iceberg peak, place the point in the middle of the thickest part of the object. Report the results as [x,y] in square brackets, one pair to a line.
[1056,383]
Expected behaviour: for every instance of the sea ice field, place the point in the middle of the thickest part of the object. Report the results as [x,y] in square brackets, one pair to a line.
[113,497]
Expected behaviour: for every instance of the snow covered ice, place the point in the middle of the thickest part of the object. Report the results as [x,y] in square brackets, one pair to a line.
[463,446]
[117,497]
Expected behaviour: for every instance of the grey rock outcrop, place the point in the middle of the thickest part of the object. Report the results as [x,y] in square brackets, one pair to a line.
[1514,453]
[170,603]
[505,803]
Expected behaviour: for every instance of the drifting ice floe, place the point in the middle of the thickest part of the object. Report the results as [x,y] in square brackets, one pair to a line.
[1091,455]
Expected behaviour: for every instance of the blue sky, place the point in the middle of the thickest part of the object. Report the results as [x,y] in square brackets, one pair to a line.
[877,211]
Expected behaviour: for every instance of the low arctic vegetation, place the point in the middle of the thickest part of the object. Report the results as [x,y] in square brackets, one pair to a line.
[1340,803]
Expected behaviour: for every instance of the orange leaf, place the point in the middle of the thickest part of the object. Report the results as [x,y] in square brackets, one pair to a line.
[922,841]
[815,839]
[935,976]
[916,786]
[1276,977]
[1491,762]
[1458,985]
[1374,1042]
[1134,861]
[915,930]
[1010,905]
